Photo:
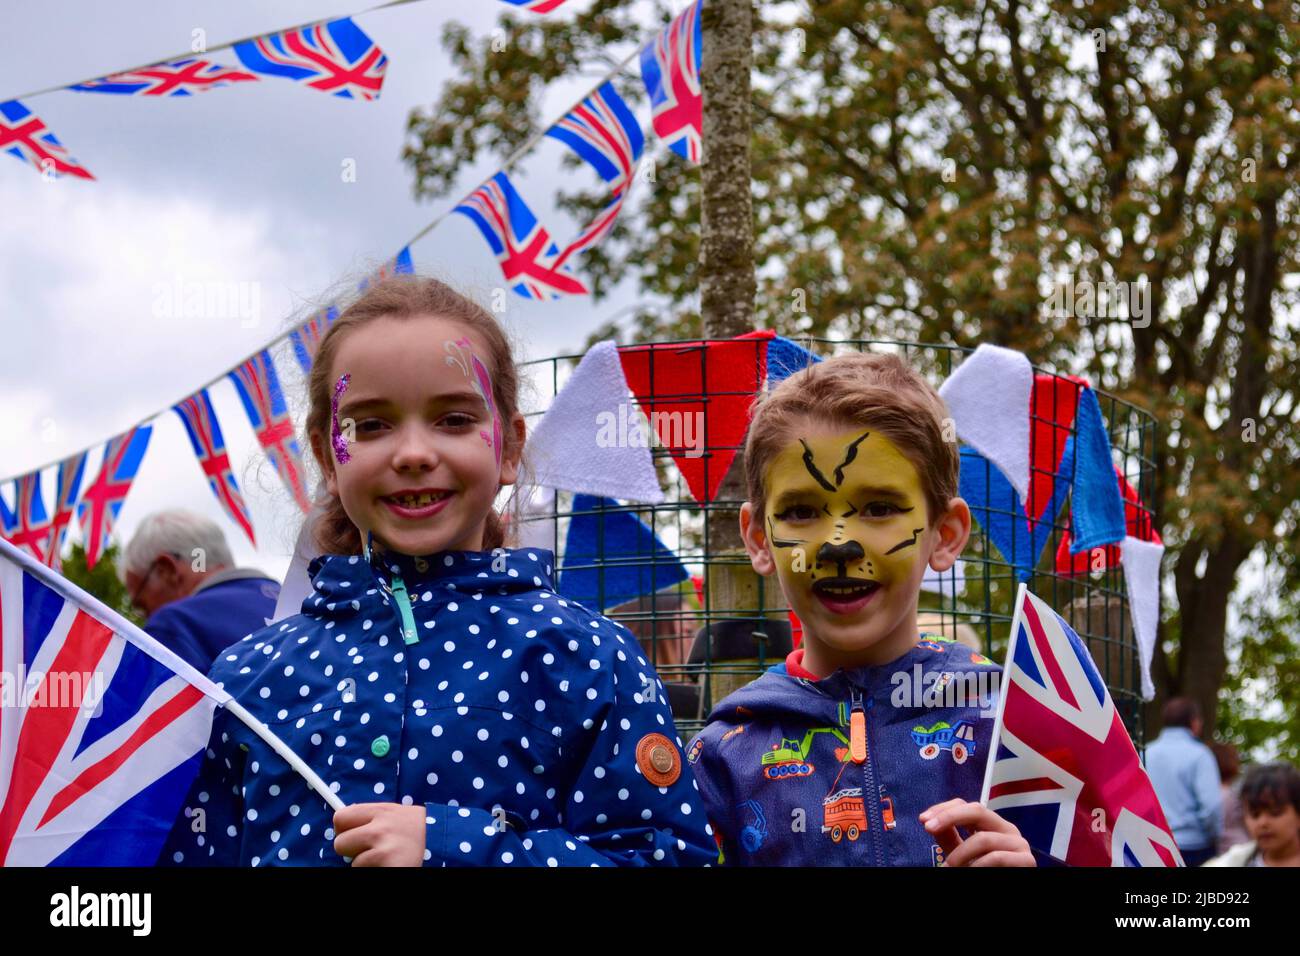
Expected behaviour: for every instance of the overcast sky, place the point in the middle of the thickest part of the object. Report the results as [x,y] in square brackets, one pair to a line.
[240,185]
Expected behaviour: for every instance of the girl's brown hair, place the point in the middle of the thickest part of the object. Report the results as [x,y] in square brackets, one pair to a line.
[405,297]
[880,392]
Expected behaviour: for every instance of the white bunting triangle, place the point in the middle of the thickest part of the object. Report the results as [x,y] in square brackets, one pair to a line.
[989,397]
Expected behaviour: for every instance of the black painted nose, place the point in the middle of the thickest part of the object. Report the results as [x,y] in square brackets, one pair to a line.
[841,554]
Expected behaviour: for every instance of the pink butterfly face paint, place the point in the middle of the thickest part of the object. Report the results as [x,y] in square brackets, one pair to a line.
[336,433]
[461,355]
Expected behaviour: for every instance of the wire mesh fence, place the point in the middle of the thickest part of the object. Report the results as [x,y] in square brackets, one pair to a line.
[704,648]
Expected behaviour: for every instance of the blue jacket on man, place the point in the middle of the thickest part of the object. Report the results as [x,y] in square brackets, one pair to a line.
[1186,780]
[224,607]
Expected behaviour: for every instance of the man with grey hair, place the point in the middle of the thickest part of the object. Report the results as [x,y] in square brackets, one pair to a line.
[180,573]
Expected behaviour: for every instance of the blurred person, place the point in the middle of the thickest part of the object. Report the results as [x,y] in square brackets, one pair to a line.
[1185,776]
[664,624]
[1234,825]
[1270,796]
[180,573]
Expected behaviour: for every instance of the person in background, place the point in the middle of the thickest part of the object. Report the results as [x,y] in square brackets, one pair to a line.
[1270,794]
[1234,825]
[663,623]
[1186,780]
[180,573]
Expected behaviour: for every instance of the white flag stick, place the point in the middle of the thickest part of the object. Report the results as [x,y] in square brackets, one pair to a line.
[166,656]
[1016,619]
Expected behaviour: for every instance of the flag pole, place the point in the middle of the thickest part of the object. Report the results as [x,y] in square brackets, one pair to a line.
[164,655]
[1016,620]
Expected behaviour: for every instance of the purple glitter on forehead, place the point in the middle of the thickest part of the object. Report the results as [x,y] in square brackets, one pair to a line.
[336,433]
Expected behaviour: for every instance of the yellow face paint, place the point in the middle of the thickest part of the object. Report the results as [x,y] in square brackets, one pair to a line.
[844,517]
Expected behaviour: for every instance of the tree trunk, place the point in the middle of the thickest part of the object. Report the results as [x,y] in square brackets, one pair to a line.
[727,281]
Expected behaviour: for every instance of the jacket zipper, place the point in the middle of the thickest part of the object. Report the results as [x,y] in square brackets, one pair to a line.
[859,744]
[398,589]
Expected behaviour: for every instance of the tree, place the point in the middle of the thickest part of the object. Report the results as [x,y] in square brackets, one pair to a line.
[101,581]
[930,170]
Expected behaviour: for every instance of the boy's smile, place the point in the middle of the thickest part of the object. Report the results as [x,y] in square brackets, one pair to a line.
[846,528]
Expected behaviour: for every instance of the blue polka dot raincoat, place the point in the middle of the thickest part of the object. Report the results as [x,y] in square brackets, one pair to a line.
[532,730]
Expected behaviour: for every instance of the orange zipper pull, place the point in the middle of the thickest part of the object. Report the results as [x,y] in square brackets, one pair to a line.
[858,731]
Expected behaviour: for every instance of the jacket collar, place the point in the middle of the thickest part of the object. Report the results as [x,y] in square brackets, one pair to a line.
[347,581]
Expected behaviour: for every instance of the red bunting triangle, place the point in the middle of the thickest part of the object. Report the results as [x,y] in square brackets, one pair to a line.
[1052,407]
[683,385]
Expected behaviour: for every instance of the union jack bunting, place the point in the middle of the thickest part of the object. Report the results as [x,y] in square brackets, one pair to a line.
[598,227]
[524,249]
[334,57]
[99,507]
[259,390]
[602,130]
[536,6]
[306,337]
[201,425]
[31,522]
[102,729]
[22,134]
[400,264]
[1063,769]
[71,470]
[179,78]
[670,69]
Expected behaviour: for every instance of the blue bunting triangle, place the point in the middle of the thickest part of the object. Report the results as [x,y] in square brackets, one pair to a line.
[611,556]
[784,358]
[1096,503]
[1001,512]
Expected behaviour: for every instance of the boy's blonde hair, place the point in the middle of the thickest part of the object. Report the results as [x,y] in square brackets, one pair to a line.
[877,392]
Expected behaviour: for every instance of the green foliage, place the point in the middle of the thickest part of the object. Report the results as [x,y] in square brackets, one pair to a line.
[101,580]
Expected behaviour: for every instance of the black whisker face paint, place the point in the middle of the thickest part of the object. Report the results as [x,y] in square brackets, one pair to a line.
[907,543]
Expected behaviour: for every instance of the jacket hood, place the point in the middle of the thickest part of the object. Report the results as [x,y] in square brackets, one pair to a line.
[779,693]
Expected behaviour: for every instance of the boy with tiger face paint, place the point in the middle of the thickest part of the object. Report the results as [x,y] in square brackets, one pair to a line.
[852,486]
[848,532]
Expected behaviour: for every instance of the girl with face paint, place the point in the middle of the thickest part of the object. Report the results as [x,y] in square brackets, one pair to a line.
[464,711]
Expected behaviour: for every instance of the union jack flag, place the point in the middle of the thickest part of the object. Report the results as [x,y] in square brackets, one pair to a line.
[334,57]
[307,337]
[400,264]
[598,227]
[30,522]
[670,69]
[22,134]
[71,470]
[210,449]
[528,257]
[536,6]
[602,130]
[259,389]
[100,505]
[101,729]
[179,78]
[1064,770]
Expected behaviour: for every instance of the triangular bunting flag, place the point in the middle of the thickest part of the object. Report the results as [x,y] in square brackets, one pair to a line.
[100,505]
[200,420]
[611,556]
[259,390]
[1141,562]
[71,471]
[989,398]
[1097,510]
[592,439]
[784,358]
[1137,523]
[684,386]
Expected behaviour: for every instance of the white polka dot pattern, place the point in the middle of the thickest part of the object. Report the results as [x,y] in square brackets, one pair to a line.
[512,720]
